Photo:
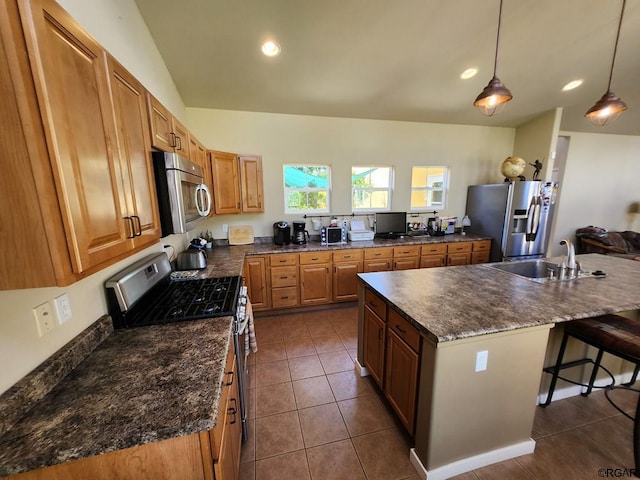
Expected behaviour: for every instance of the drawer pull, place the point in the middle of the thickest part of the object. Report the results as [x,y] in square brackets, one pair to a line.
[373,304]
[284,298]
[347,256]
[233,411]
[400,329]
[230,382]
[282,261]
[377,254]
[284,277]
[314,259]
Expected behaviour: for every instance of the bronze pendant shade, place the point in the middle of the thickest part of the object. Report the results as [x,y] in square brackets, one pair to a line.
[609,106]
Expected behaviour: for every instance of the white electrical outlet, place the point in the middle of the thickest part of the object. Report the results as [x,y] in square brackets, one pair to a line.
[225,228]
[481,360]
[63,308]
[44,318]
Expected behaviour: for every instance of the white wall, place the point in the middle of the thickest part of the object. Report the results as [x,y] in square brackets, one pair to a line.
[536,140]
[473,154]
[118,26]
[600,182]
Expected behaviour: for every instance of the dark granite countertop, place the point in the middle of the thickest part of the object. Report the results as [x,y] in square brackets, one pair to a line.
[451,303]
[138,386]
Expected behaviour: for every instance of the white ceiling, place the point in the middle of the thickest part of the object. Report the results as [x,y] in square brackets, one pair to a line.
[401,59]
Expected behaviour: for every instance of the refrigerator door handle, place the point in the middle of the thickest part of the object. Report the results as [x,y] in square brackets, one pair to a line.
[533,220]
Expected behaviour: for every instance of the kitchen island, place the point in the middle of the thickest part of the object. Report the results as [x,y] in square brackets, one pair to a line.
[478,365]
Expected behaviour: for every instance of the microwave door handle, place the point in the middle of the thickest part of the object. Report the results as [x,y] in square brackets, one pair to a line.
[204,206]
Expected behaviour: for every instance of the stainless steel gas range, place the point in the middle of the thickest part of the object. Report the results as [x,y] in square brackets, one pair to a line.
[149,293]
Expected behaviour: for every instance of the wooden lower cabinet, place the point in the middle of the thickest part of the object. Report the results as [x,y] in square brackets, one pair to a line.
[401,379]
[255,277]
[374,340]
[283,280]
[315,278]
[378,259]
[346,266]
[406,263]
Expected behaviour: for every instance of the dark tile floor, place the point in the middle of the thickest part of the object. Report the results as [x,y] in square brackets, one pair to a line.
[312,417]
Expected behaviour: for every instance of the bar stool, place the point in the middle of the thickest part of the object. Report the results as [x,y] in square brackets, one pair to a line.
[615,335]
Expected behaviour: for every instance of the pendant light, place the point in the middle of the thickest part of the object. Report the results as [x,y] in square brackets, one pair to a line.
[495,93]
[610,105]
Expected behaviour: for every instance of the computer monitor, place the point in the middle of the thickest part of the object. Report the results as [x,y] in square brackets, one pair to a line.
[391,224]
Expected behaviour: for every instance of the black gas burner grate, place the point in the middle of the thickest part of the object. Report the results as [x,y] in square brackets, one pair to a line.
[176,301]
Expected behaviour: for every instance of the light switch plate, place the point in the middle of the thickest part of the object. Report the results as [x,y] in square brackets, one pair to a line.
[44,318]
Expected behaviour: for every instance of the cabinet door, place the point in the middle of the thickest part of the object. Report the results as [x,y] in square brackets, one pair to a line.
[251,184]
[479,257]
[345,281]
[401,379]
[255,275]
[374,338]
[72,82]
[458,259]
[226,189]
[430,261]
[135,155]
[162,136]
[315,284]
[406,263]
[182,139]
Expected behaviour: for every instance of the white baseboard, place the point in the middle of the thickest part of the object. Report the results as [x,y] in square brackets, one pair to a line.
[471,463]
[360,370]
[575,390]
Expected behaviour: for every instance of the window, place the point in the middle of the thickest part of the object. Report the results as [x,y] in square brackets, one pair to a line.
[429,187]
[306,188]
[371,188]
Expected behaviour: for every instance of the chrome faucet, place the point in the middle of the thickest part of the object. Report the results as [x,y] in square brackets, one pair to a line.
[572,267]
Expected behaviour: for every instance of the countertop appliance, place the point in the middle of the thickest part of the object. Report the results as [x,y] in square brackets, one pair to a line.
[191,259]
[281,233]
[358,232]
[516,215]
[333,235]
[183,198]
[300,233]
[148,293]
[391,224]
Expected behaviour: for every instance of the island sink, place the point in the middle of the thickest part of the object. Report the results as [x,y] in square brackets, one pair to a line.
[539,271]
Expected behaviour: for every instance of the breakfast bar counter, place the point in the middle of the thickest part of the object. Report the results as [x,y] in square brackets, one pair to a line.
[466,385]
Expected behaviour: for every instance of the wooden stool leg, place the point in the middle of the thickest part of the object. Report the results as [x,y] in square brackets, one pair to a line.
[556,370]
[594,373]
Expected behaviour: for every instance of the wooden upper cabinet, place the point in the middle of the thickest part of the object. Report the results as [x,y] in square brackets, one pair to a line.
[167,133]
[198,153]
[226,186]
[72,83]
[251,183]
[135,155]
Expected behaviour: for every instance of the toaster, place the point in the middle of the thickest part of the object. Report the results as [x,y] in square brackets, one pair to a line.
[191,259]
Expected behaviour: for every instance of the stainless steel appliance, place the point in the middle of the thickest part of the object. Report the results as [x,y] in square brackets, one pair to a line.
[281,233]
[149,293]
[191,259]
[516,215]
[300,233]
[183,198]
[333,235]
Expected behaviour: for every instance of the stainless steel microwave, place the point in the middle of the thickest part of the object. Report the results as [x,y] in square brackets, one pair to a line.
[183,199]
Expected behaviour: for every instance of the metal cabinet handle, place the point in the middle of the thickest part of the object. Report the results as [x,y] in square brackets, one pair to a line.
[172,140]
[133,228]
[230,382]
[233,411]
[178,143]
[137,220]
[400,329]
[283,277]
[380,332]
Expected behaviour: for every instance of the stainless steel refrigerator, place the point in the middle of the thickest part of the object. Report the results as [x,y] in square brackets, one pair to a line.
[516,215]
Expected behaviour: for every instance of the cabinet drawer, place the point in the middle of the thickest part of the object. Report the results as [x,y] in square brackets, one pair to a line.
[284,277]
[459,247]
[380,265]
[404,330]
[436,248]
[482,246]
[376,304]
[283,259]
[347,255]
[408,251]
[430,261]
[479,257]
[284,297]
[309,258]
[373,253]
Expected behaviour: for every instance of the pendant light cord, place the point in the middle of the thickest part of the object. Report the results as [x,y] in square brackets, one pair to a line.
[495,60]
[615,48]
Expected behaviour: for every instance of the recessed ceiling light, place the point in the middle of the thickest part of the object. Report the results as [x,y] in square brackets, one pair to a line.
[468,73]
[271,48]
[571,85]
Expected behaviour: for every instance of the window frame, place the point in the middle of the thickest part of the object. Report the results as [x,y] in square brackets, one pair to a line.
[287,190]
[444,189]
[388,189]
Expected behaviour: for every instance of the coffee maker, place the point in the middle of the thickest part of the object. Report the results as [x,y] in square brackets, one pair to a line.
[300,234]
[281,233]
